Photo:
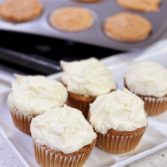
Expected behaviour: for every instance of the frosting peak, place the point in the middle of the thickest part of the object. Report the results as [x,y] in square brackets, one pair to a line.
[87,77]
[147,78]
[118,110]
[36,94]
[56,131]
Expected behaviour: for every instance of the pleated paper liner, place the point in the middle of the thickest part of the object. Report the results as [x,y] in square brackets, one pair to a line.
[80,102]
[153,105]
[47,157]
[118,142]
[21,121]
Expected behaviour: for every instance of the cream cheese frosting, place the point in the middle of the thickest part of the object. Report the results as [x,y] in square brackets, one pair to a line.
[36,94]
[87,77]
[63,129]
[120,110]
[147,78]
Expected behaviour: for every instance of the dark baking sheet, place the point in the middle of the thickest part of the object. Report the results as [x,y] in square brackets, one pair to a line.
[94,35]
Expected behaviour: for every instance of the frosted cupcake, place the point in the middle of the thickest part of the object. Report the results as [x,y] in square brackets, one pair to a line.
[32,96]
[119,120]
[85,80]
[62,137]
[148,80]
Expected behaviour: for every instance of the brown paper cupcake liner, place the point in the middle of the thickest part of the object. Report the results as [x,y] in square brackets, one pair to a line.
[152,105]
[80,102]
[47,157]
[118,142]
[21,121]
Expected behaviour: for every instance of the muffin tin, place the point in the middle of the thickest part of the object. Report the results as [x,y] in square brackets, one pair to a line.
[95,35]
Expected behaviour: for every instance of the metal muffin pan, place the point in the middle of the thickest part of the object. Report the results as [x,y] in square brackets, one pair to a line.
[94,35]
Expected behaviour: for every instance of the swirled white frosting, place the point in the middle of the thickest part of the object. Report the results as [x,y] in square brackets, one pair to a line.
[147,78]
[36,94]
[118,110]
[87,77]
[64,129]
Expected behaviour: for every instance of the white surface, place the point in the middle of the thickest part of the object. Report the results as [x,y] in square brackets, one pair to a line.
[154,139]
[9,157]
[158,159]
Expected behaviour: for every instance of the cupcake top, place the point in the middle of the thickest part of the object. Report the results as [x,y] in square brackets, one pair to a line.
[34,95]
[87,77]
[120,110]
[63,129]
[147,78]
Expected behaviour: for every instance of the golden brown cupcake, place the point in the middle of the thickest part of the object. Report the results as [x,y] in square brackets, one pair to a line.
[148,80]
[32,96]
[127,27]
[62,142]
[71,19]
[140,5]
[119,120]
[85,80]
[88,1]
[20,10]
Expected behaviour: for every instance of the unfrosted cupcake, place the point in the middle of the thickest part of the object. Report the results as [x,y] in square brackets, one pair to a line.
[32,96]
[119,120]
[149,81]
[62,137]
[85,80]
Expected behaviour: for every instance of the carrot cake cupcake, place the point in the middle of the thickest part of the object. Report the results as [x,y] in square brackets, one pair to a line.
[62,137]
[140,5]
[20,10]
[88,1]
[85,80]
[149,81]
[32,96]
[71,19]
[127,27]
[119,120]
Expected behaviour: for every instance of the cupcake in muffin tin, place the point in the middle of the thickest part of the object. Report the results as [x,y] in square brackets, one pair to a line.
[141,5]
[71,19]
[18,11]
[127,27]
[31,96]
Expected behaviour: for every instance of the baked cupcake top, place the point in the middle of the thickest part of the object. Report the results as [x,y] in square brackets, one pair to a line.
[127,27]
[20,10]
[36,94]
[72,19]
[64,129]
[147,78]
[141,5]
[87,77]
[120,110]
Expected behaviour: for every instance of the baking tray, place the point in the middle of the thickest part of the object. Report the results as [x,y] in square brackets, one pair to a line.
[94,35]
[154,139]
